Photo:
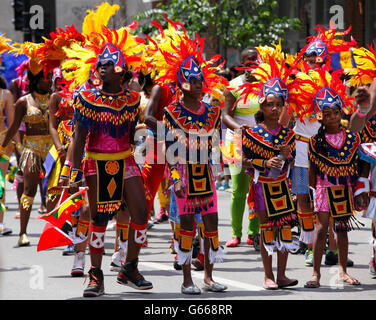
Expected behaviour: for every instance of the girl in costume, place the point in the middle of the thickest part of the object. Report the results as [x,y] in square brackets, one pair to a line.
[192,128]
[106,117]
[315,55]
[237,116]
[33,109]
[263,146]
[333,169]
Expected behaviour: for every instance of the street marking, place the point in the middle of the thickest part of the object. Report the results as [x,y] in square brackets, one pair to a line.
[198,275]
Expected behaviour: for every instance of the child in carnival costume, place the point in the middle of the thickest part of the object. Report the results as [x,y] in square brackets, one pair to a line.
[56,50]
[192,129]
[333,167]
[264,145]
[107,117]
[365,193]
[315,55]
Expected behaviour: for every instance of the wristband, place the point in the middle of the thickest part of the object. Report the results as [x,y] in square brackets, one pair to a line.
[258,164]
[68,163]
[76,176]
[175,176]
[65,172]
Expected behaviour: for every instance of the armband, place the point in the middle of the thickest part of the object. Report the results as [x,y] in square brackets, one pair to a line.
[175,176]
[76,176]
[258,164]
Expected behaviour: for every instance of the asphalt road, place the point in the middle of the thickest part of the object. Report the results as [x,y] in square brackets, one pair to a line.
[26,274]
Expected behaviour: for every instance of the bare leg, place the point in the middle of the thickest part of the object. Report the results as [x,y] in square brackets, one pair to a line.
[187,223]
[322,223]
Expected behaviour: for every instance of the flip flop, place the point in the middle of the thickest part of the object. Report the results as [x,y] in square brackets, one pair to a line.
[312,284]
[270,286]
[350,281]
[287,283]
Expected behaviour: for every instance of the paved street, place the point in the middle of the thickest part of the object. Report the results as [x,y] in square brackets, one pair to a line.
[27,274]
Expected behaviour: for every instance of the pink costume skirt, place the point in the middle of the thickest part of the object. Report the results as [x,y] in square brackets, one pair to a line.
[321,200]
[181,202]
[131,168]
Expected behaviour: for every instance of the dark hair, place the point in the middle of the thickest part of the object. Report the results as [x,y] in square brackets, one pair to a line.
[3,83]
[322,146]
[33,80]
[259,116]
[145,81]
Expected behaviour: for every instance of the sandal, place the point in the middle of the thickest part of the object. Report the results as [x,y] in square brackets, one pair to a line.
[350,281]
[287,283]
[312,284]
[271,286]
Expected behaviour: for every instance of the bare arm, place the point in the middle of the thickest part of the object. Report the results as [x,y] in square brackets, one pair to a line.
[228,111]
[52,122]
[77,145]
[152,107]
[365,99]
[311,176]
[20,111]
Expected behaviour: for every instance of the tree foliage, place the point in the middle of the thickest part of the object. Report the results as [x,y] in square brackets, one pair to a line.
[235,23]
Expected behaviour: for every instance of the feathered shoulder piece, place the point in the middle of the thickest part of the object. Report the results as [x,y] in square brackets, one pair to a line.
[322,89]
[365,61]
[326,42]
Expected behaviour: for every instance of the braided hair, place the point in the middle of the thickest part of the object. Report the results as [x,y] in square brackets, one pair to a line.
[322,146]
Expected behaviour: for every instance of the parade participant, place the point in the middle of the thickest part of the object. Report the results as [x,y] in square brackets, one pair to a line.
[6,107]
[191,172]
[107,117]
[161,94]
[316,54]
[33,109]
[333,169]
[267,147]
[362,76]
[235,119]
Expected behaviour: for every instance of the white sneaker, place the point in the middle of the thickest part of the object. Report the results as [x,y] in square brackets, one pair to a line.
[5,231]
[117,260]
[78,264]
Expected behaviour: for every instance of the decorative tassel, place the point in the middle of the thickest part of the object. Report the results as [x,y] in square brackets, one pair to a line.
[184,252]
[216,252]
[268,238]
[285,242]
[307,227]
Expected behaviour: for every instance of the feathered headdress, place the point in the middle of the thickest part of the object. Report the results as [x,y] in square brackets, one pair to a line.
[30,49]
[365,71]
[275,52]
[272,78]
[118,46]
[326,42]
[6,44]
[322,89]
[51,53]
[184,60]
[155,61]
